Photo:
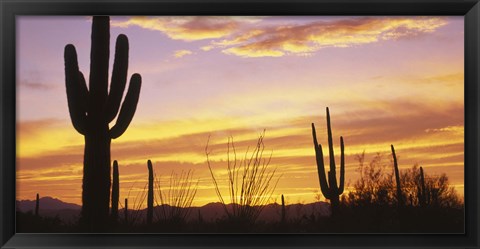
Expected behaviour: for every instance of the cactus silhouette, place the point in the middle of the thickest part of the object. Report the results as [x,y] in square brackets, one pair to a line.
[330,189]
[125,211]
[283,210]
[37,204]
[150,193]
[422,197]
[397,179]
[115,191]
[91,111]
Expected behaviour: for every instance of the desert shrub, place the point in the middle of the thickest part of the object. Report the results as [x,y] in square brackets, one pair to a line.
[375,185]
[438,192]
[250,184]
[176,197]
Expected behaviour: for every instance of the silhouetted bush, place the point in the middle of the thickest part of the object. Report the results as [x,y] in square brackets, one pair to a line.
[372,205]
[250,186]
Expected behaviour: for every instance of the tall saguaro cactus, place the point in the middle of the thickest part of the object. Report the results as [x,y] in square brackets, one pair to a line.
[150,193]
[93,108]
[283,210]
[37,204]
[397,179]
[329,188]
[115,191]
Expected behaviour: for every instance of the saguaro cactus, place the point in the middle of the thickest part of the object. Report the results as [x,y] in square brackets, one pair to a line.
[397,179]
[115,191]
[150,193]
[91,111]
[37,204]
[422,197]
[283,210]
[330,189]
[125,211]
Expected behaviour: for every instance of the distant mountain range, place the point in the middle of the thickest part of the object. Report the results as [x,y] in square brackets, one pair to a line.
[70,212]
[46,203]
[51,207]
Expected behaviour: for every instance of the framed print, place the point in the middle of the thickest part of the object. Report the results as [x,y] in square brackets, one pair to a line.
[241,124]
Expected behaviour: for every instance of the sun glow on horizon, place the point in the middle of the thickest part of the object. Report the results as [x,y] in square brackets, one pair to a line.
[386,80]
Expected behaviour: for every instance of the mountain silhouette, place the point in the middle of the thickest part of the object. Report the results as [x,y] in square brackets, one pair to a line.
[46,203]
[210,212]
[51,207]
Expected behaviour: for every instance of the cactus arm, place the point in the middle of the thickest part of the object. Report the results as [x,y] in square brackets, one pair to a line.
[119,78]
[76,90]
[330,147]
[320,165]
[83,91]
[99,55]
[342,167]
[128,107]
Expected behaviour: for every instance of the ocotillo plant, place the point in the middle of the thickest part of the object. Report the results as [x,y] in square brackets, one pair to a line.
[283,210]
[91,111]
[397,179]
[37,205]
[422,191]
[249,182]
[150,193]
[330,189]
[115,191]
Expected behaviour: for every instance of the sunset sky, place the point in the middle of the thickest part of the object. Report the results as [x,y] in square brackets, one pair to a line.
[386,80]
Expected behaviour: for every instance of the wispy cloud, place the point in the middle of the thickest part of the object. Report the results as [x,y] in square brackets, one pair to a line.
[39,137]
[31,127]
[182,53]
[250,37]
[406,89]
[361,130]
[187,28]
[36,85]
[308,38]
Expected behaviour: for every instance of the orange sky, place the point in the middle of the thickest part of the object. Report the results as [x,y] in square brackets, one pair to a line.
[387,80]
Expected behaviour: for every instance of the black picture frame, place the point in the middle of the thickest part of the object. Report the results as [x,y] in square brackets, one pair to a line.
[470,9]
